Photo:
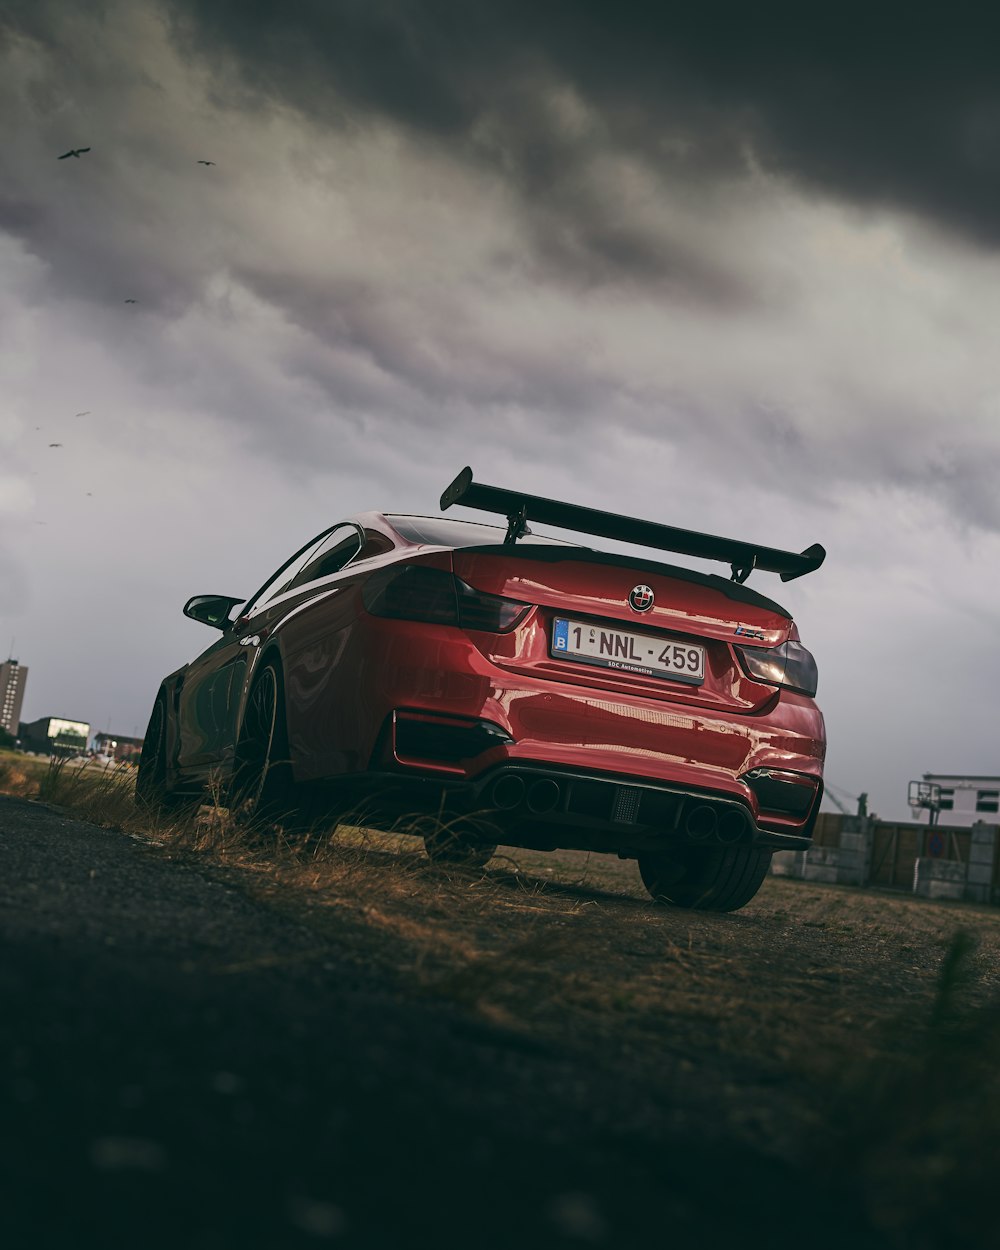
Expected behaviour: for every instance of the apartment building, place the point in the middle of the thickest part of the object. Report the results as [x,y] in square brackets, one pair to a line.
[13,678]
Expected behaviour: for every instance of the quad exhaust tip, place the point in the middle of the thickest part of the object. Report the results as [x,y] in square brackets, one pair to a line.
[701,822]
[511,791]
[726,825]
[732,826]
[543,796]
[508,792]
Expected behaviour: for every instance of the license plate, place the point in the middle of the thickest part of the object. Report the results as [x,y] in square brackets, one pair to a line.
[628,652]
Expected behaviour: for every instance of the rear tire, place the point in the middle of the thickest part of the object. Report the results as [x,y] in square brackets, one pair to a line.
[705,878]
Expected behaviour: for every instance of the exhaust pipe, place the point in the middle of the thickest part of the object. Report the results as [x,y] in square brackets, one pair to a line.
[508,792]
[732,826]
[543,796]
[701,822]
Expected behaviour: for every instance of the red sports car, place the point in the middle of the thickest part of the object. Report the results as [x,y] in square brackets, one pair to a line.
[508,687]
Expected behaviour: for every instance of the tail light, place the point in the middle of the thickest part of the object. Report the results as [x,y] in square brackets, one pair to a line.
[418,593]
[789,665]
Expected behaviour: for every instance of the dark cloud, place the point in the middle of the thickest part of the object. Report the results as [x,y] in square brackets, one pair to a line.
[892,105]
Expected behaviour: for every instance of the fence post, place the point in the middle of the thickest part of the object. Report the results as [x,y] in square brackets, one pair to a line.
[856,839]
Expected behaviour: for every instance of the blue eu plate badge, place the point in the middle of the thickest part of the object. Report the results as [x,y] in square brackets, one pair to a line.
[560,637]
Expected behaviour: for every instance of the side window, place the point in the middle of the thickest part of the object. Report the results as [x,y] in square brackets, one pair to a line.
[278,581]
[339,546]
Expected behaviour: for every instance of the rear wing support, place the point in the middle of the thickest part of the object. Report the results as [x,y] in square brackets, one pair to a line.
[519,509]
[517,525]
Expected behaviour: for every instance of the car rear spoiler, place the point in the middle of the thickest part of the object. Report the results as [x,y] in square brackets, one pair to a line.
[520,508]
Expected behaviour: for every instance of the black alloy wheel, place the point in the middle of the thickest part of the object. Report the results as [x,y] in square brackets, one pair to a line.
[151,779]
[262,789]
[705,878]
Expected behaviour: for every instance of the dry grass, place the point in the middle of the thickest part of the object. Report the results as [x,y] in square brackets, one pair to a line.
[859,1025]
[21,775]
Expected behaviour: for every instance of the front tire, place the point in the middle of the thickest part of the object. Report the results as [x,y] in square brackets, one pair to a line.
[705,878]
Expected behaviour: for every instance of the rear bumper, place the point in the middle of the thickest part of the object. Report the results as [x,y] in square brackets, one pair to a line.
[547,808]
[409,673]
[666,762]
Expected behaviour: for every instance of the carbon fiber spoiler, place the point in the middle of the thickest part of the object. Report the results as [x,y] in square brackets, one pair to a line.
[520,508]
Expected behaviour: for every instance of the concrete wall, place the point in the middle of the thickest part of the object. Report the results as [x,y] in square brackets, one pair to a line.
[844,857]
[933,863]
[970,880]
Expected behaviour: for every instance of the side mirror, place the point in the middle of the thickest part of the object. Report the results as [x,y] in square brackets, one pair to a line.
[211,609]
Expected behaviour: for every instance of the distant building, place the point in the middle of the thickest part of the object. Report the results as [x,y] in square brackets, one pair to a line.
[13,678]
[962,800]
[117,746]
[54,736]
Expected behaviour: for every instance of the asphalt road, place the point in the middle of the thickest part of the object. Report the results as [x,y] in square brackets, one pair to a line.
[184,1066]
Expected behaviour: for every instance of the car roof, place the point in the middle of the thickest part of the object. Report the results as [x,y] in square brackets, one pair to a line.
[437,528]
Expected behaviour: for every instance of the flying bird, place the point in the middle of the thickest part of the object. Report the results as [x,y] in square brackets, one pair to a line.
[130,301]
[206,162]
[55,444]
[72,152]
[84,414]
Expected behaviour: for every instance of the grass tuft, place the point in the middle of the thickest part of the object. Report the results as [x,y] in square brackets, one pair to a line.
[917,1125]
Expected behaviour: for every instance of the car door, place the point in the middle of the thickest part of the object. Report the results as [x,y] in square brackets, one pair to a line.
[303,579]
[213,681]
[309,578]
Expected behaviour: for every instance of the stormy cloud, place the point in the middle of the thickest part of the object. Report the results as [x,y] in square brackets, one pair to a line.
[893,107]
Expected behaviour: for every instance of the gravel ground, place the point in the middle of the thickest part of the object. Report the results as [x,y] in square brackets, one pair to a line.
[190,1057]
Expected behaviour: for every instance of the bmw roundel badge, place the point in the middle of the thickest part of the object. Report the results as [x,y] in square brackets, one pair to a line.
[640,598]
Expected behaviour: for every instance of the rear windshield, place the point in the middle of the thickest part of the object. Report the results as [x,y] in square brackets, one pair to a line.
[445,532]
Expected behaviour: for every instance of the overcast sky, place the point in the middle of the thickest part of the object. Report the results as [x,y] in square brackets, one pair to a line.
[734,275]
